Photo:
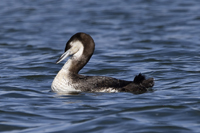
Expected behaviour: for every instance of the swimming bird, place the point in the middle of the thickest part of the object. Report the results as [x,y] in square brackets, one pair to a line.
[81,47]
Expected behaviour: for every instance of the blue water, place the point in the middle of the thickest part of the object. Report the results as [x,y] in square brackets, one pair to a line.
[159,38]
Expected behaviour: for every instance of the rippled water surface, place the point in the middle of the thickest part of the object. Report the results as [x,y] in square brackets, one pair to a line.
[160,38]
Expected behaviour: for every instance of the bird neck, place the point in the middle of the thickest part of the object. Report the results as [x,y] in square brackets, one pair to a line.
[74,65]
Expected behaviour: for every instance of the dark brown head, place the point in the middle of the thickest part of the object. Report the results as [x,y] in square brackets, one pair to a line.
[80,45]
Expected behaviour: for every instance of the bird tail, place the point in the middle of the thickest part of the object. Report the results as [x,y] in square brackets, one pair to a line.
[140,84]
[139,79]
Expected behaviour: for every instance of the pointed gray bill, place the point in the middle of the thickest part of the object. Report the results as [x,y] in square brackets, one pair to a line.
[63,56]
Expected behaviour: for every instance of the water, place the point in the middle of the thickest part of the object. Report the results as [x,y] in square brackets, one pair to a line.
[159,38]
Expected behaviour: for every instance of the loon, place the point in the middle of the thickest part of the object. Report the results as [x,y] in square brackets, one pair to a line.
[81,47]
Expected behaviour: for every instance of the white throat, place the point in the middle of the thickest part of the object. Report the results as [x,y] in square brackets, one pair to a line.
[76,51]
